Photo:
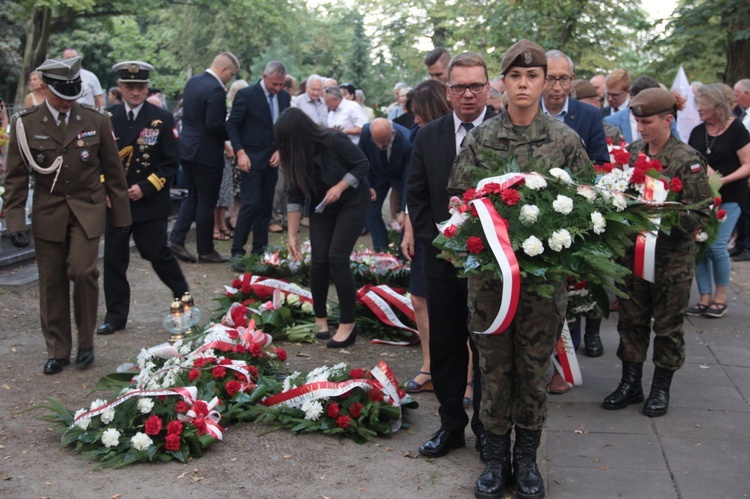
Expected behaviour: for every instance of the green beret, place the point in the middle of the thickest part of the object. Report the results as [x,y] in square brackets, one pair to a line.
[583,89]
[651,101]
[523,54]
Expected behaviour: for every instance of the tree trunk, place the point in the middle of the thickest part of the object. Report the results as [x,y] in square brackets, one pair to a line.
[738,50]
[38,30]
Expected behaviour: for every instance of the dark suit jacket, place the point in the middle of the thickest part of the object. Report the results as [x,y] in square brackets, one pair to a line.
[153,164]
[250,126]
[398,161]
[587,122]
[426,192]
[605,111]
[204,115]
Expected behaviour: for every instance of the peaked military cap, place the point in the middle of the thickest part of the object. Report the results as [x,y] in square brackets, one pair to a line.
[583,89]
[63,77]
[651,101]
[133,71]
[524,54]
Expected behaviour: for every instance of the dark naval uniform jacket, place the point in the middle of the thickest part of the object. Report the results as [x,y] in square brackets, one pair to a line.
[149,152]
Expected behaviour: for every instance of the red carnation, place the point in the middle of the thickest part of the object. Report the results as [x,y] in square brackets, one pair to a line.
[262,292]
[199,362]
[474,244]
[610,141]
[225,362]
[637,177]
[253,371]
[375,395]
[492,188]
[605,168]
[238,375]
[236,283]
[249,301]
[332,410]
[153,425]
[510,197]
[181,406]
[469,195]
[194,374]
[238,316]
[656,165]
[239,348]
[356,409]
[219,372]
[172,443]
[717,201]
[675,185]
[641,163]
[474,211]
[200,424]
[246,288]
[174,427]
[622,157]
[232,387]
[281,354]
[665,183]
[344,422]
[200,408]
[450,231]
[721,214]
[255,350]
[357,373]
[233,334]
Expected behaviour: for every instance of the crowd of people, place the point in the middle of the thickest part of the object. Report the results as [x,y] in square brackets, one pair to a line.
[280,154]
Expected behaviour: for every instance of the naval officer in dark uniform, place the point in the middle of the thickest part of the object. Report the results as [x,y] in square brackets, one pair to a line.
[67,147]
[147,139]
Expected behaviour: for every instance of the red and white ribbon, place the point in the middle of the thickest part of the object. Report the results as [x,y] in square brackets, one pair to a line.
[497,236]
[270,285]
[187,393]
[204,417]
[379,302]
[645,243]
[566,362]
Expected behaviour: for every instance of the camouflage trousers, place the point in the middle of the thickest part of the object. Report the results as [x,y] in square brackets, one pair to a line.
[515,363]
[667,303]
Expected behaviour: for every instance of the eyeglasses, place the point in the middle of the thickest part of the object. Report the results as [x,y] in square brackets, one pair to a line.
[563,80]
[460,89]
[611,95]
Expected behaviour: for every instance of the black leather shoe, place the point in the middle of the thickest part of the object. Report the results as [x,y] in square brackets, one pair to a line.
[629,391]
[593,344]
[742,256]
[442,443]
[498,474]
[736,250]
[108,328]
[54,366]
[343,344]
[657,402]
[214,257]
[529,482]
[182,253]
[85,358]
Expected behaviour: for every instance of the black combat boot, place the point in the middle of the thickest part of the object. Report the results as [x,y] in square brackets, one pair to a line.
[497,473]
[629,391]
[529,483]
[657,402]
[591,338]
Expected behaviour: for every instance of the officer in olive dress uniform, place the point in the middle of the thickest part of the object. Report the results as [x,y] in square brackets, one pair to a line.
[514,364]
[67,147]
[666,299]
[147,139]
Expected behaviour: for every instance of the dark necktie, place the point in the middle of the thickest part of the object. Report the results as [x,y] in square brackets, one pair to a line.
[467,126]
[63,125]
[615,109]
[131,118]
[270,103]
[384,157]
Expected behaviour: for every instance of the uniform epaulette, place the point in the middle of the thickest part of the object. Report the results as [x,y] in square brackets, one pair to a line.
[99,110]
[25,111]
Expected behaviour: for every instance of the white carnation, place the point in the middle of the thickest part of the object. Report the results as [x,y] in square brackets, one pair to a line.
[599,222]
[111,438]
[701,237]
[560,239]
[307,307]
[312,409]
[563,204]
[535,182]
[561,174]
[619,201]
[83,423]
[292,299]
[529,214]
[97,404]
[108,416]
[289,381]
[321,373]
[141,441]
[587,192]
[533,246]
[145,404]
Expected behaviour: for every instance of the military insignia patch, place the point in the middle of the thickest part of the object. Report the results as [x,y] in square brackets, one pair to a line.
[527,58]
[695,168]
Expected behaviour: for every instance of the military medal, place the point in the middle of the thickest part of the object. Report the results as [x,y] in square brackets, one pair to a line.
[40,158]
[79,143]
[139,141]
[85,155]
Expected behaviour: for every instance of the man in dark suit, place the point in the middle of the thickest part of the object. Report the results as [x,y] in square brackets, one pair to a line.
[618,89]
[250,129]
[388,149]
[68,146]
[147,139]
[202,157]
[435,148]
[583,118]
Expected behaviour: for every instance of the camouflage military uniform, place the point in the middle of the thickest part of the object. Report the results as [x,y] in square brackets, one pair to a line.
[514,364]
[613,133]
[666,300]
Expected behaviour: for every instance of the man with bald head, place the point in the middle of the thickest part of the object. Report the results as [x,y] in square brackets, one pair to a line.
[388,149]
[93,95]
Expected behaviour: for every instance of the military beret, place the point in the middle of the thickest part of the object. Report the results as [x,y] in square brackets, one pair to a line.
[133,71]
[63,77]
[651,101]
[583,89]
[524,54]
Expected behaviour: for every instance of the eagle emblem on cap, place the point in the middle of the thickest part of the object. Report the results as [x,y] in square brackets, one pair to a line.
[527,58]
[637,110]
[133,68]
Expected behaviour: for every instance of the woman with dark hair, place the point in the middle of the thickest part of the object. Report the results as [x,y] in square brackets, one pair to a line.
[348,91]
[725,144]
[325,165]
[427,102]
